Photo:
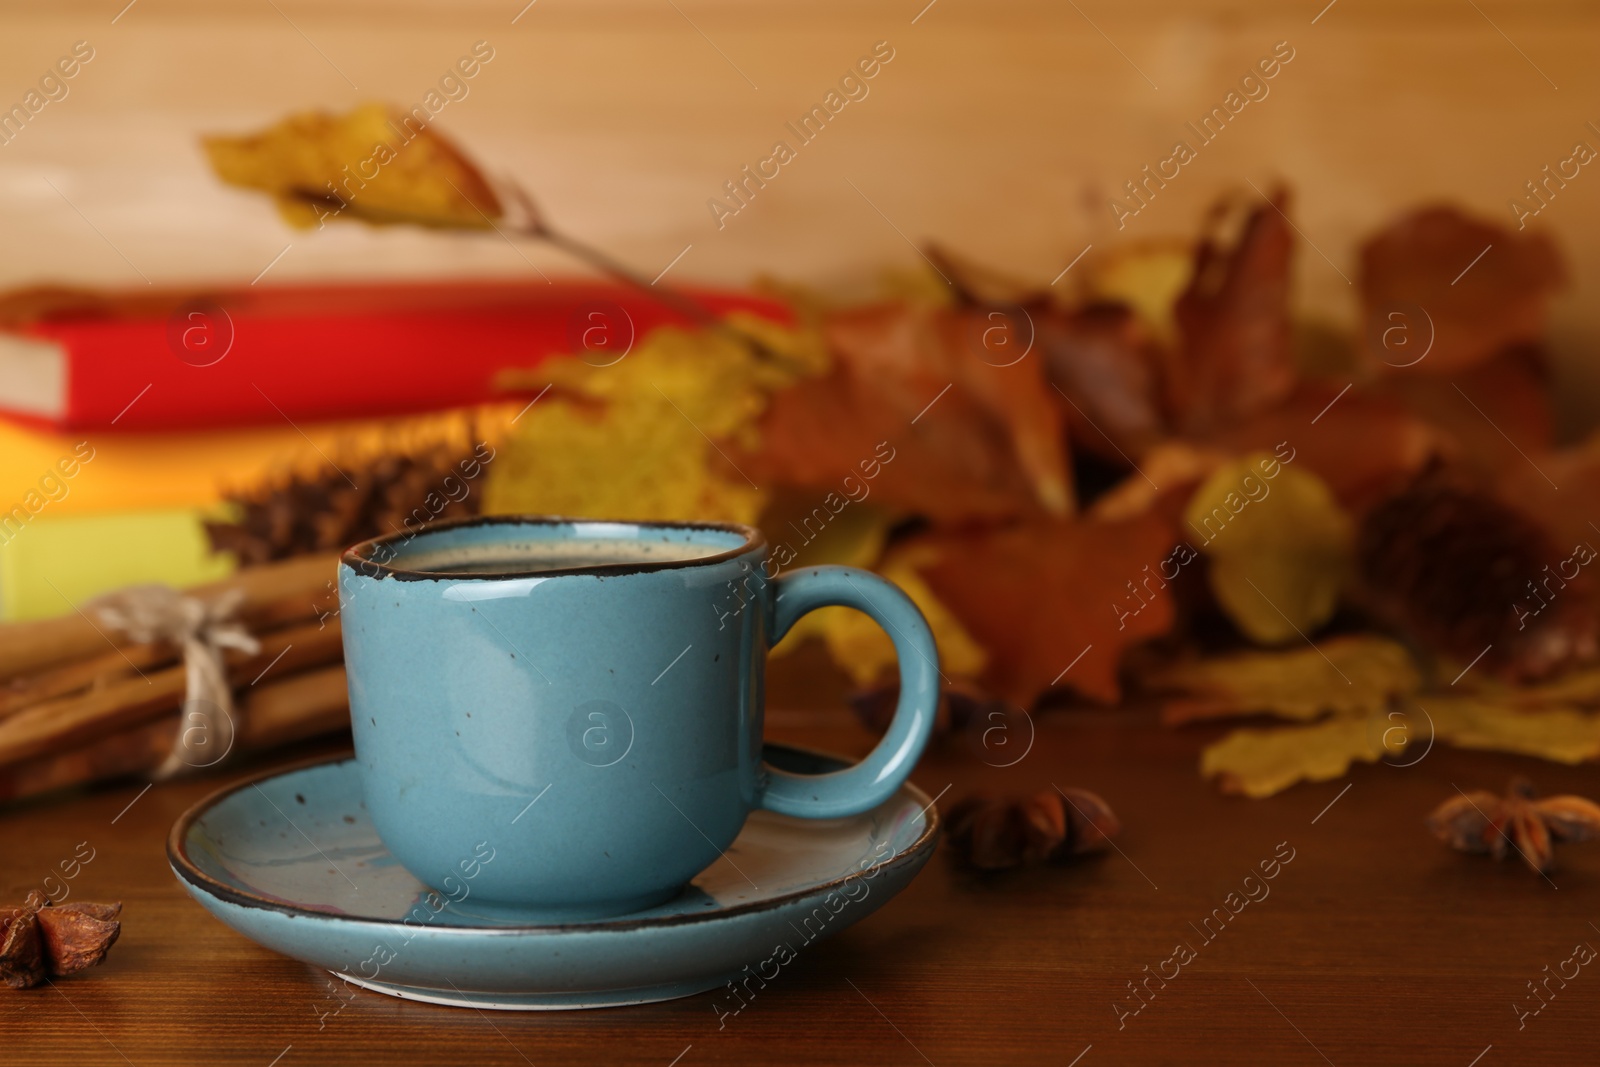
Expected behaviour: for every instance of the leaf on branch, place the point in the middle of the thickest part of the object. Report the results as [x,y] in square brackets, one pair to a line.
[374,164]
[1279,546]
[1351,676]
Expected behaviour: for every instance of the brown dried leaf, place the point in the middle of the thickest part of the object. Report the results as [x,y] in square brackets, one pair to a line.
[969,435]
[1364,446]
[1428,260]
[1039,595]
[1236,357]
[1106,365]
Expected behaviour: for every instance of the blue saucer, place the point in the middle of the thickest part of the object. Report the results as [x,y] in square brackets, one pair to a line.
[290,860]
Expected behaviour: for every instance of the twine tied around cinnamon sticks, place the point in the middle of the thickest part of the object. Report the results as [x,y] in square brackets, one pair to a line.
[201,630]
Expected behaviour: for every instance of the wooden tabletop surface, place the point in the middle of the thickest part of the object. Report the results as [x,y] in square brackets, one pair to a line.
[1373,945]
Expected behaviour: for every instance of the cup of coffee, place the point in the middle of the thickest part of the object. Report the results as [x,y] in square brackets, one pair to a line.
[586,698]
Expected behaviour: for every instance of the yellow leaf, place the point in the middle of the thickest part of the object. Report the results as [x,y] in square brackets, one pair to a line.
[1279,546]
[634,440]
[1259,763]
[372,164]
[1349,676]
[1564,735]
[1146,277]
[866,653]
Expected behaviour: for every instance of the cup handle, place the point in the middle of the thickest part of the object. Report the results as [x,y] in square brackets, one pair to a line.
[875,779]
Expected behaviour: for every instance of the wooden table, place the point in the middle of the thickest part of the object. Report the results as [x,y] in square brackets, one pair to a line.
[1375,945]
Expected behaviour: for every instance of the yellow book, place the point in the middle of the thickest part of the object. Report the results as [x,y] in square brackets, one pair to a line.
[44,473]
[57,562]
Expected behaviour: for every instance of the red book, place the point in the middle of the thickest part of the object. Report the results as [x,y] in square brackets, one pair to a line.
[189,360]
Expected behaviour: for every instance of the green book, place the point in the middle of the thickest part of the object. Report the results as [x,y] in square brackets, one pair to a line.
[55,563]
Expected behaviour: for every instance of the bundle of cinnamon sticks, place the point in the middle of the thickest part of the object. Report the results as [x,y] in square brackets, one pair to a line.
[80,702]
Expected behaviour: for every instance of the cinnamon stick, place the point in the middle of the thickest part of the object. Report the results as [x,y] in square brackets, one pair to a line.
[128,701]
[71,678]
[293,708]
[30,647]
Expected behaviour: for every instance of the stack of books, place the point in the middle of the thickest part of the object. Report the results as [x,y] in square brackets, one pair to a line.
[127,419]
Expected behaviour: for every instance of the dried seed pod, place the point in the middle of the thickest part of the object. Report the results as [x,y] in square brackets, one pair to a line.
[1051,825]
[1482,822]
[39,940]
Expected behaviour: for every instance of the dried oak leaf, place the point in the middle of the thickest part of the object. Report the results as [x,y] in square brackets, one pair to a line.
[1055,603]
[1362,445]
[1484,408]
[40,940]
[1279,546]
[971,430]
[1236,356]
[1475,579]
[1479,821]
[317,166]
[1259,763]
[1106,364]
[1051,825]
[1430,260]
[1353,676]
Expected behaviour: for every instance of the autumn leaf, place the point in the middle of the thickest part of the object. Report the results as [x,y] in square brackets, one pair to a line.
[1107,367]
[1474,286]
[1363,446]
[1495,413]
[1259,763]
[864,651]
[972,436]
[1353,676]
[635,439]
[1236,357]
[1559,734]
[372,164]
[1056,603]
[1147,277]
[1279,546]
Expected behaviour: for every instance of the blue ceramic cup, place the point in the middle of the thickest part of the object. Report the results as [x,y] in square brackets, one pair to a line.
[585,699]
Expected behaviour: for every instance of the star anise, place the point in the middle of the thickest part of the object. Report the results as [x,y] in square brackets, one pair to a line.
[1479,821]
[40,940]
[1053,824]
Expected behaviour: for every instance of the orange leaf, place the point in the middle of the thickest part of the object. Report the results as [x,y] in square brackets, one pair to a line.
[1428,261]
[975,431]
[1056,603]
[1362,445]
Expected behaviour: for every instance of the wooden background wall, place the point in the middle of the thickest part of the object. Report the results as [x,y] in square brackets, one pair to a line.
[999,128]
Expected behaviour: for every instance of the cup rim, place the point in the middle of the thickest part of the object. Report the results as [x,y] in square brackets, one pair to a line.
[358,557]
